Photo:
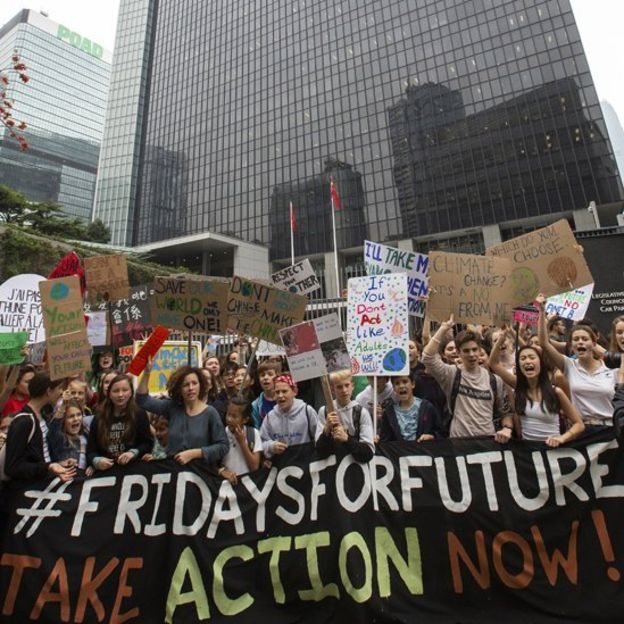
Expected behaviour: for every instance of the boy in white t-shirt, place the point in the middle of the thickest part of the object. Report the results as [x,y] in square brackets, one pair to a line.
[245,452]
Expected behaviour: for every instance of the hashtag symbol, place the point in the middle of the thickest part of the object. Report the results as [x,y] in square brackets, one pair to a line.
[36,512]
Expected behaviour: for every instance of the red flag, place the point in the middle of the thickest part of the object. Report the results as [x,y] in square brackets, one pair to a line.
[293,221]
[335,197]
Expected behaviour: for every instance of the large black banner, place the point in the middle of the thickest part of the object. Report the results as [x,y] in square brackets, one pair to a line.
[452,531]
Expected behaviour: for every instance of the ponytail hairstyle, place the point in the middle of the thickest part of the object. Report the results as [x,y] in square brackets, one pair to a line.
[107,415]
[549,402]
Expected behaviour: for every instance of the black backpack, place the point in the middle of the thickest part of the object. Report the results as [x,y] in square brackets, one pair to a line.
[496,417]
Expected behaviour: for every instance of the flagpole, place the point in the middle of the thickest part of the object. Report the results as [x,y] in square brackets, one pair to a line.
[292,236]
[333,210]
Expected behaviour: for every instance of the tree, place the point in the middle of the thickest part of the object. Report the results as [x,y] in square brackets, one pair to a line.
[12,205]
[6,104]
[98,232]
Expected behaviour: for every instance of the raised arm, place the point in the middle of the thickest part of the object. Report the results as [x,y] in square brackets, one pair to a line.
[431,348]
[556,359]
[494,363]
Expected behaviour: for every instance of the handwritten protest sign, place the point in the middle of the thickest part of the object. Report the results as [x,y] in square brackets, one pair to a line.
[11,346]
[475,289]
[190,304]
[303,351]
[97,329]
[380,259]
[107,277]
[131,318]
[258,310]
[377,325]
[315,348]
[547,261]
[61,304]
[298,278]
[570,305]
[172,355]
[20,306]
[332,343]
[269,349]
[69,354]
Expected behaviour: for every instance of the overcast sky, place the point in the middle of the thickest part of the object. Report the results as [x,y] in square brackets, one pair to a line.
[600,23]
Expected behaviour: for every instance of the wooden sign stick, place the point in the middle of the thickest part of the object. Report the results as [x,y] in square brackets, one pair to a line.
[329,400]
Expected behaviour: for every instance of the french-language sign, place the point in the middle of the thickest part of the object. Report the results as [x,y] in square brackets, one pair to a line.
[61,304]
[172,355]
[107,277]
[190,304]
[69,354]
[298,278]
[475,289]
[258,310]
[547,261]
[20,306]
[380,259]
[377,325]
[444,531]
[571,305]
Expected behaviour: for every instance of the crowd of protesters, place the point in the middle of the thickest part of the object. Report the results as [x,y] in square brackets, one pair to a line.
[550,384]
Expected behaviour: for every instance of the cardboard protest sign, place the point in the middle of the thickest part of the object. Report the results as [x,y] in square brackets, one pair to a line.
[191,304]
[475,289]
[69,354]
[298,278]
[258,310]
[547,261]
[380,259]
[570,305]
[107,277]
[172,355]
[37,353]
[61,304]
[377,325]
[97,329]
[11,345]
[20,306]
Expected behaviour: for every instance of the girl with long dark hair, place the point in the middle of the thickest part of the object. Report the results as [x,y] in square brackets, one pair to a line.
[120,431]
[537,402]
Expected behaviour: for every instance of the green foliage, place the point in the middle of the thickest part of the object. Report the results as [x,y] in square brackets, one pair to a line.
[12,205]
[98,232]
[22,252]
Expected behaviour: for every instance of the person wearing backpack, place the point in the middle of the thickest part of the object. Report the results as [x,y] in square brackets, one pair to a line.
[26,452]
[290,422]
[476,396]
[349,427]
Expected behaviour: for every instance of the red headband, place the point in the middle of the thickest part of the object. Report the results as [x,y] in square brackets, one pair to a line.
[287,379]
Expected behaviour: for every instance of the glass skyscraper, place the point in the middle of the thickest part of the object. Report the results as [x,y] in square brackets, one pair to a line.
[63,105]
[435,118]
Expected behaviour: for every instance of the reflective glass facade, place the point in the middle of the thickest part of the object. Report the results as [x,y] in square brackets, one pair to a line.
[433,116]
[63,105]
[119,159]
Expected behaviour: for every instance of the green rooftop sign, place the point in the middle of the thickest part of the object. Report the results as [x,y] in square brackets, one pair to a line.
[82,43]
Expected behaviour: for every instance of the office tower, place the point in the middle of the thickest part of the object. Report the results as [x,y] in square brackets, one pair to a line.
[460,122]
[63,105]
